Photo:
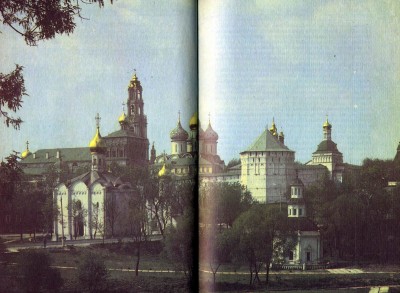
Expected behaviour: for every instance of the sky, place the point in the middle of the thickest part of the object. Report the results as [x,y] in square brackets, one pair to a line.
[296,62]
[291,61]
[71,78]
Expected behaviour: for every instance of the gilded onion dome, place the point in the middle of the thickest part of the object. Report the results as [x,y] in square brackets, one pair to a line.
[193,122]
[273,128]
[26,152]
[134,82]
[210,134]
[122,118]
[163,171]
[178,133]
[96,145]
[327,124]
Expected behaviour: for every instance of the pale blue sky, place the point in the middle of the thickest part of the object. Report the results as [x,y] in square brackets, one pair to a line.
[298,61]
[293,60]
[71,78]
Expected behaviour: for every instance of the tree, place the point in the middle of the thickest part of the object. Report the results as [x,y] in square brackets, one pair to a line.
[223,202]
[92,273]
[180,245]
[10,176]
[136,221]
[37,275]
[233,162]
[35,21]
[257,233]
[215,249]
[97,225]
[12,90]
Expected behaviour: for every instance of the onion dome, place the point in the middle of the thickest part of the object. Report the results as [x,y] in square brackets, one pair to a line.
[122,118]
[327,124]
[26,152]
[193,124]
[96,145]
[134,82]
[273,128]
[163,171]
[178,133]
[210,134]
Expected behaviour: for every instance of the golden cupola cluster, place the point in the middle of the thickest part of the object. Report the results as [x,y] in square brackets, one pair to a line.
[273,128]
[134,82]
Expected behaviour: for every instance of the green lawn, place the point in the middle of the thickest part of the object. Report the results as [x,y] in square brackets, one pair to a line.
[121,256]
[115,256]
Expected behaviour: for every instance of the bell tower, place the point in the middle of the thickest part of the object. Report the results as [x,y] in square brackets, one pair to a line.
[136,119]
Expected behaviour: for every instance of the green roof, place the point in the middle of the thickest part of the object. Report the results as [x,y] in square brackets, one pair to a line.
[267,142]
[66,154]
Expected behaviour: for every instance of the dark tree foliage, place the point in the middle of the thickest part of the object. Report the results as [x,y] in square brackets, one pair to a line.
[358,219]
[256,235]
[37,275]
[10,175]
[223,202]
[233,162]
[180,245]
[35,21]
[92,274]
[12,90]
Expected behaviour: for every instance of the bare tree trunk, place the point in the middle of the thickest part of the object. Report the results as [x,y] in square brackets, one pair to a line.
[137,259]
[251,274]
[267,274]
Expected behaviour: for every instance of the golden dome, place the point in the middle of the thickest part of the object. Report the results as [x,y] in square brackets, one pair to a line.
[163,171]
[122,118]
[273,128]
[326,123]
[96,144]
[134,82]
[26,152]
[193,121]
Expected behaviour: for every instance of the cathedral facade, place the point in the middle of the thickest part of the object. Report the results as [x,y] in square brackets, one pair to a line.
[94,204]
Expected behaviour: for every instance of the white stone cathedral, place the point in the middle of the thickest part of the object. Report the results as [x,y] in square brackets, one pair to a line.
[93,204]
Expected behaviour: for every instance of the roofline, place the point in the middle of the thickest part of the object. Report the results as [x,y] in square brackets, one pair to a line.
[269,150]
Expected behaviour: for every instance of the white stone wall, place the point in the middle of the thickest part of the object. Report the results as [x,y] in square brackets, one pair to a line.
[307,242]
[267,174]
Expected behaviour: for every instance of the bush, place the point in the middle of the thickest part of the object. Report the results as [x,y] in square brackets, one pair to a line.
[36,273]
[92,273]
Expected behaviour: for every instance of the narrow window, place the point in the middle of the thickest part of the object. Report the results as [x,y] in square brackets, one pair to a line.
[300,212]
[291,255]
[308,253]
[294,212]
